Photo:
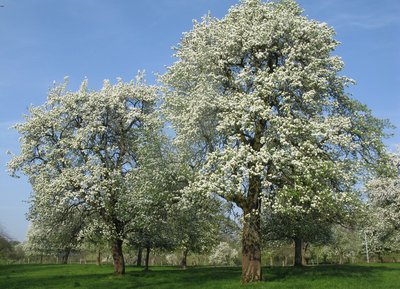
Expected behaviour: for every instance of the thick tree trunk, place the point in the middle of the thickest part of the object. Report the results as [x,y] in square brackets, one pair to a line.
[118,257]
[139,257]
[147,259]
[98,257]
[64,258]
[251,248]
[299,252]
[184,259]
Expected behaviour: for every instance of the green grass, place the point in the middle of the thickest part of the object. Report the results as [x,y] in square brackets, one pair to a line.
[374,276]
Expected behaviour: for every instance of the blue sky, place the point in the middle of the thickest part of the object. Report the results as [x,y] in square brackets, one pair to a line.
[44,40]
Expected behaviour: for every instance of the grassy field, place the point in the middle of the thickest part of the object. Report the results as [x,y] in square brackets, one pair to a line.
[374,276]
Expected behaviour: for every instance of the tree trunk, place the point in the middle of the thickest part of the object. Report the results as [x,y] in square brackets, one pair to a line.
[139,257]
[64,258]
[298,252]
[380,257]
[98,257]
[184,259]
[251,248]
[118,257]
[147,258]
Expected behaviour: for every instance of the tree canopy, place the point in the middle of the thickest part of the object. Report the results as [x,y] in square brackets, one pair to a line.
[259,95]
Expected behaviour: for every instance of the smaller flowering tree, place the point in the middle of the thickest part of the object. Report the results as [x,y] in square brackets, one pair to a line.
[223,254]
[195,220]
[57,236]
[80,150]
[383,215]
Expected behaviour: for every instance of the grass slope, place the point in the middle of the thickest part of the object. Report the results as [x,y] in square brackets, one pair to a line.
[374,276]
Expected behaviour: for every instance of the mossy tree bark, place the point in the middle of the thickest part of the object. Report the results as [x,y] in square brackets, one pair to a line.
[118,257]
[184,259]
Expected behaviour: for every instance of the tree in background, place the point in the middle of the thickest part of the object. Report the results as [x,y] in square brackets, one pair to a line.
[301,230]
[345,243]
[382,229]
[10,250]
[223,254]
[258,96]
[80,149]
[195,220]
[58,235]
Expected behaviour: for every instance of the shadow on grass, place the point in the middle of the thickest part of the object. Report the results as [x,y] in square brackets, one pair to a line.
[324,271]
[195,277]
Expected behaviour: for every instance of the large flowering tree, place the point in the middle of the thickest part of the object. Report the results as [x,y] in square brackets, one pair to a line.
[258,95]
[80,150]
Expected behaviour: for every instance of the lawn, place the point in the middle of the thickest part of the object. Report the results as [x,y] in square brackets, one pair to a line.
[374,276]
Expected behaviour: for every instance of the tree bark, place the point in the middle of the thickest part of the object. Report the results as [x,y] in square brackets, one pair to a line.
[184,259]
[147,259]
[380,257]
[139,257]
[299,252]
[98,257]
[64,259]
[251,248]
[118,257]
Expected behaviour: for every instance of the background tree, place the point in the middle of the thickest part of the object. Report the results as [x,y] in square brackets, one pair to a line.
[195,221]
[258,94]
[223,254]
[80,150]
[299,229]
[9,249]
[345,243]
[58,237]
[382,226]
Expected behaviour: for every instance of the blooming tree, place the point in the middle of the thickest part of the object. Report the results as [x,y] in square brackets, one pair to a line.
[223,254]
[299,229]
[383,214]
[57,235]
[257,94]
[80,150]
[195,219]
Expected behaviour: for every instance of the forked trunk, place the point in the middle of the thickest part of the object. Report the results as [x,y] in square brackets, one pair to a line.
[118,257]
[139,257]
[184,259]
[299,252]
[251,248]
[64,258]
